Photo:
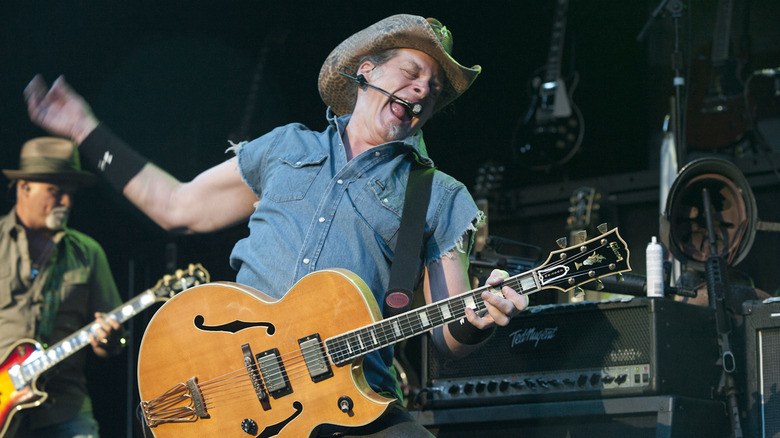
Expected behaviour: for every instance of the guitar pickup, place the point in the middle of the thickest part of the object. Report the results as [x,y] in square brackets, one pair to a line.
[272,371]
[314,356]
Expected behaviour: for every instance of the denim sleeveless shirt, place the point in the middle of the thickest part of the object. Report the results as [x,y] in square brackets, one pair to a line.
[320,211]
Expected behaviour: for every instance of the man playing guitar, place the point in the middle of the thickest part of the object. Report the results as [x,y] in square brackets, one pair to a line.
[323,200]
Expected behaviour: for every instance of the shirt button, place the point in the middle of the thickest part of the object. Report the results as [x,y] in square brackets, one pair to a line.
[376,154]
[297,163]
[385,201]
[341,181]
[322,219]
[306,261]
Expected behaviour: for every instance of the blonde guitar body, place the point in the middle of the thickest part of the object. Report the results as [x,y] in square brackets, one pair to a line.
[224,360]
[199,334]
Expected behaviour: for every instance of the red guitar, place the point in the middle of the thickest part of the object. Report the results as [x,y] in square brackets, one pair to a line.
[717,113]
[27,360]
[225,360]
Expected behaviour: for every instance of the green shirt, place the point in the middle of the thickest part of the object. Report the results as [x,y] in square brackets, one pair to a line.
[87,286]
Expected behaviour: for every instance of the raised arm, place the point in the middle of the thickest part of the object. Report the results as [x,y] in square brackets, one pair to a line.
[215,199]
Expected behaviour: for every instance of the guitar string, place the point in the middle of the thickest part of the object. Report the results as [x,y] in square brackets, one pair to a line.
[224,384]
[458,304]
[221,392]
[214,389]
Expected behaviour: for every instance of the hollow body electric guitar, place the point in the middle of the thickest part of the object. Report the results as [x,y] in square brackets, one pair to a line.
[26,361]
[225,360]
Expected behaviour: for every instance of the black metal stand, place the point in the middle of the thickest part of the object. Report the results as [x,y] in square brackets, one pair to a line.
[718,292]
[675,7]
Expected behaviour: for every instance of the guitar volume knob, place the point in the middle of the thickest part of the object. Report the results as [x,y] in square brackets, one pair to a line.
[249,426]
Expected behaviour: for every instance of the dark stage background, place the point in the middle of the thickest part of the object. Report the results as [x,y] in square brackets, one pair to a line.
[178,79]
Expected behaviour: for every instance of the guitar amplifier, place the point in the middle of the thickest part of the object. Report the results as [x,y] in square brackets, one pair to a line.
[585,350]
[760,356]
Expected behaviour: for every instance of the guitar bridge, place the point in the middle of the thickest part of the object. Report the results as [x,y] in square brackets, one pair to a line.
[254,376]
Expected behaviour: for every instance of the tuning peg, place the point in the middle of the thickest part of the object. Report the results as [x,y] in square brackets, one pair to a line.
[578,291]
[580,236]
[602,227]
[599,285]
[619,276]
[562,242]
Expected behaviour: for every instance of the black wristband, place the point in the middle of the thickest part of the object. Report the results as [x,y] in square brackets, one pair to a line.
[111,157]
[465,332]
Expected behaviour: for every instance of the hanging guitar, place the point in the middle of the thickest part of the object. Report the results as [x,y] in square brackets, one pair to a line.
[26,361]
[584,210]
[225,360]
[717,114]
[552,130]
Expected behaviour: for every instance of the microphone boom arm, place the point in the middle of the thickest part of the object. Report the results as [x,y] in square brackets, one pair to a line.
[413,109]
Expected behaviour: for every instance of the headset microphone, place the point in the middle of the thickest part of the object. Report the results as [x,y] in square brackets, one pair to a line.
[413,109]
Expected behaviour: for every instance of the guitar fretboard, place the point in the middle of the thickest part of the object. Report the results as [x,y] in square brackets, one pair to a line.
[73,343]
[720,40]
[569,268]
[555,54]
[344,348]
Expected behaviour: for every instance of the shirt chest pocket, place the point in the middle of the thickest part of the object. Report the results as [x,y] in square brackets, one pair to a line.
[5,285]
[75,291]
[379,204]
[291,177]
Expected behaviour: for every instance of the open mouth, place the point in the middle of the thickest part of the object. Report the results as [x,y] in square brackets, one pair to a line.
[400,111]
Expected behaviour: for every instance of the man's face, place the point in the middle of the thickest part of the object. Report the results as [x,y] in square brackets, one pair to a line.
[411,75]
[42,205]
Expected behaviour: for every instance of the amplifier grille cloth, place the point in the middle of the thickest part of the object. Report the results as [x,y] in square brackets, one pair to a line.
[582,340]
[770,354]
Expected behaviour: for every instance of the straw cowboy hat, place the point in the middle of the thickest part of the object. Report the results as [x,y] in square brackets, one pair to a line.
[50,159]
[397,32]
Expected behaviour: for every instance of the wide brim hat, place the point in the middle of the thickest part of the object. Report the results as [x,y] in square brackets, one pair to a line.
[396,32]
[50,159]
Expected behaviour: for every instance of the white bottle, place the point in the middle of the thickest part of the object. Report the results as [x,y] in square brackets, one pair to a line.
[655,269]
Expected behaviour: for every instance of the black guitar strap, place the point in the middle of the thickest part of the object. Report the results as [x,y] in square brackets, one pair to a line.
[403,273]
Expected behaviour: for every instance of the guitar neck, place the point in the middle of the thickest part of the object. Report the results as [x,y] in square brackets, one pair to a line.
[78,340]
[720,41]
[564,269]
[555,54]
[347,347]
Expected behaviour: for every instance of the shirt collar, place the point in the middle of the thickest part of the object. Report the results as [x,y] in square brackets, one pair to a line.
[9,224]
[415,141]
[8,221]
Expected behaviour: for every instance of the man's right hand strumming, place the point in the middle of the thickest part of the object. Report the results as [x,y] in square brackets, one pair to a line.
[59,110]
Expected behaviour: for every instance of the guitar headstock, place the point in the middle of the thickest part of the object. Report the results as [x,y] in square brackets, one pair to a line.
[574,266]
[182,279]
[584,209]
